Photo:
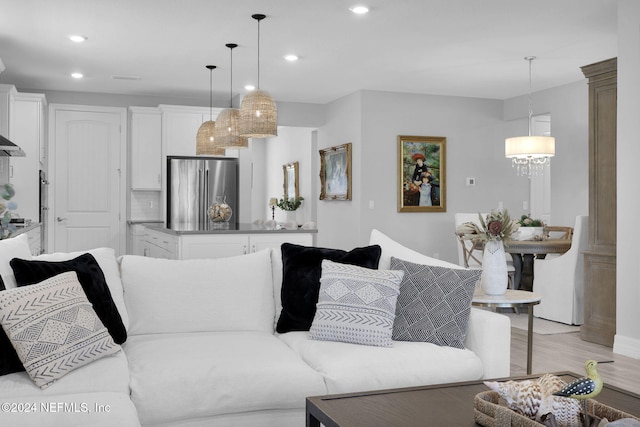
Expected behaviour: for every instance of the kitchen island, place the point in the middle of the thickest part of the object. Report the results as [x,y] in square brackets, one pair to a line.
[210,240]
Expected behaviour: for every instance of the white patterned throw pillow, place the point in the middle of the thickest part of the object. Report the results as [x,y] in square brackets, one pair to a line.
[53,327]
[356,305]
[434,303]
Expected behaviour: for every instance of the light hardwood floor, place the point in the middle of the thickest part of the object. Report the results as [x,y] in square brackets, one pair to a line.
[567,352]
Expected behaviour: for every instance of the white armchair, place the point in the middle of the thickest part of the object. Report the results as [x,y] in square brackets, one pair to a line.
[560,281]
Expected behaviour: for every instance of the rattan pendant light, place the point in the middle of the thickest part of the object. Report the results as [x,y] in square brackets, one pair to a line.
[227,133]
[205,137]
[258,111]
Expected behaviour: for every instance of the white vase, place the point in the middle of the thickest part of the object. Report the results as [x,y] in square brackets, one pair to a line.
[291,216]
[494,278]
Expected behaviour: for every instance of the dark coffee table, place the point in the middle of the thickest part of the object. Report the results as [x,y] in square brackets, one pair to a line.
[438,405]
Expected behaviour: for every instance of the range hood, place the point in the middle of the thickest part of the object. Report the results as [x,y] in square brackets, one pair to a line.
[8,148]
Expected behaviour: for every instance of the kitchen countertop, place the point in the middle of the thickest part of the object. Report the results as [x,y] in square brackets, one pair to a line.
[26,229]
[211,228]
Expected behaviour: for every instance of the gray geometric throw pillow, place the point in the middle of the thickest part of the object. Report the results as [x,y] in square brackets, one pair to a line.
[54,328]
[434,304]
[356,305]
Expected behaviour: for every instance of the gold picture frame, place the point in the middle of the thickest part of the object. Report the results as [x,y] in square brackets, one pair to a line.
[291,186]
[335,172]
[422,173]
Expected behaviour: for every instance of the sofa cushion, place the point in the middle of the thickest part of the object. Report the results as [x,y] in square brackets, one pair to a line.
[356,304]
[109,374]
[54,328]
[15,247]
[301,279]
[91,278]
[199,295]
[351,368]
[108,263]
[178,377]
[434,303]
[392,248]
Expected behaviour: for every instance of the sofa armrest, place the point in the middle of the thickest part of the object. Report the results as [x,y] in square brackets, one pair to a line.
[489,337]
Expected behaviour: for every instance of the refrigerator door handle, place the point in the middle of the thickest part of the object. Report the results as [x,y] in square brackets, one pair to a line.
[200,200]
[207,201]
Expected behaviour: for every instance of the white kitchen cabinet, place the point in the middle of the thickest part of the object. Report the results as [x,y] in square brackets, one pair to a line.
[35,242]
[22,121]
[160,245]
[194,246]
[146,148]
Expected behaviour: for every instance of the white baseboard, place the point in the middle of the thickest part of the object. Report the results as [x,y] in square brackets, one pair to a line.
[626,346]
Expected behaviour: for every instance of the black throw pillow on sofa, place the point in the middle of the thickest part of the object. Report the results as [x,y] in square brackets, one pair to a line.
[91,279]
[301,271]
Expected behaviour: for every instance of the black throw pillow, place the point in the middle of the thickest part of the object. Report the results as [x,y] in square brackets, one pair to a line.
[91,278]
[301,271]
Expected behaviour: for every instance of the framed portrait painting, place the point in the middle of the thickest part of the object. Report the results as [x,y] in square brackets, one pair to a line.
[335,172]
[291,187]
[422,173]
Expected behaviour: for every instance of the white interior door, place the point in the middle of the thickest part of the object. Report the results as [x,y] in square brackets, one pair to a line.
[88,191]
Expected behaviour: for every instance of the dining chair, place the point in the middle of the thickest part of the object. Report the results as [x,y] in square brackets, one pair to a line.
[560,281]
[559,232]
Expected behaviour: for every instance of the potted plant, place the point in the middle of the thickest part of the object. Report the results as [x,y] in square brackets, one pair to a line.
[529,229]
[290,205]
[7,209]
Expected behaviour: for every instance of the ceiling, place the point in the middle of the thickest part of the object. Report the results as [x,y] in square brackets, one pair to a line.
[468,48]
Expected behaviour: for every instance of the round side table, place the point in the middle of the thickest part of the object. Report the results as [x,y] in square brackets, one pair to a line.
[512,299]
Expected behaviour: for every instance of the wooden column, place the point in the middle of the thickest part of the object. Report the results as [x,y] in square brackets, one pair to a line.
[600,259]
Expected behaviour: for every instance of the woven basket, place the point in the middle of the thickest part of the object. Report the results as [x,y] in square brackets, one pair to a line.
[228,129]
[204,145]
[488,412]
[258,115]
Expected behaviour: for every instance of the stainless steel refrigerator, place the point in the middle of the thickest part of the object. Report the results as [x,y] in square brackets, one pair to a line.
[193,184]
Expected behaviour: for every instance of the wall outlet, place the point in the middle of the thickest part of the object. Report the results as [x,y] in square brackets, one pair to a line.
[525,205]
[471,182]
[150,203]
[372,204]
[500,206]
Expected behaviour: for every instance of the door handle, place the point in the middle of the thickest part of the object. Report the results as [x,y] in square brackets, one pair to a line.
[60,219]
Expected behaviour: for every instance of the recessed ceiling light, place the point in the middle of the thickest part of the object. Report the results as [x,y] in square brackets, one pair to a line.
[77,75]
[291,57]
[359,9]
[250,87]
[77,38]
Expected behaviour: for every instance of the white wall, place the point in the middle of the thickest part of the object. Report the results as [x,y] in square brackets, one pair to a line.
[338,220]
[291,145]
[568,106]
[627,338]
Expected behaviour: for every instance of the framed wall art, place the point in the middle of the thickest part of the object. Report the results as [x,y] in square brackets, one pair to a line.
[335,172]
[421,173]
[291,186]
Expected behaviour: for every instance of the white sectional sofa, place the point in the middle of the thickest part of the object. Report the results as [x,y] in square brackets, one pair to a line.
[202,350]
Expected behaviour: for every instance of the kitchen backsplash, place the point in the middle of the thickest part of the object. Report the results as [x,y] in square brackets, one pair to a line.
[146,206]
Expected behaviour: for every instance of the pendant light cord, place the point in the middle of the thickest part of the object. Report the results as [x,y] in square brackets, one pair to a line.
[210,94]
[530,58]
[231,80]
[258,54]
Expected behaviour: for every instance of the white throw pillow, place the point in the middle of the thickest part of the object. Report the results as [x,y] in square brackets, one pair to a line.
[15,247]
[391,248]
[199,295]
[356,305]
[53,327]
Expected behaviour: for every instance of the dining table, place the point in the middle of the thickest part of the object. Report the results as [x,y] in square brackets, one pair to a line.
[524,252]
